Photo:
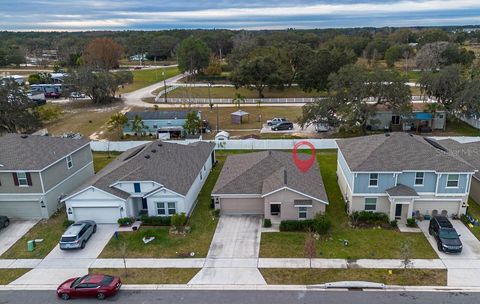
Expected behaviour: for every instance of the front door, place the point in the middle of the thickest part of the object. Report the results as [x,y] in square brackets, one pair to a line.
[274,209]
[144,204]
[398,211]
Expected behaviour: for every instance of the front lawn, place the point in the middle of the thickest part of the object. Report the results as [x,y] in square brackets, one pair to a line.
[11,274]
[474,210]
[202,222]
[49,230]
[363,243]
[409,277]
[150,275]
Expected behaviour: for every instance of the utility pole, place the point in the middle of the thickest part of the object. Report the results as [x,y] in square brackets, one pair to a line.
[164,85]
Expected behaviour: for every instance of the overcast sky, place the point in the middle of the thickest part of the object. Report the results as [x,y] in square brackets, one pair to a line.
[239,14]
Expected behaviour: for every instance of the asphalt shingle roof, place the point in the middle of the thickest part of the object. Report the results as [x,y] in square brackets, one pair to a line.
[397,152]
[35,152]
[468,152]
[157,115]
[263,172]
[401,190]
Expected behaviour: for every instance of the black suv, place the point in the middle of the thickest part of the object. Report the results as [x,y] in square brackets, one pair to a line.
[284,125]
[448,240]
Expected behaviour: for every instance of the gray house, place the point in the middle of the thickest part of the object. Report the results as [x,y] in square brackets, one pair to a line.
[401,174]
[268,183]
[36,172]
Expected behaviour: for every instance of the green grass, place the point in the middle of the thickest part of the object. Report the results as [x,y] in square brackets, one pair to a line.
[229,92]
[9,275]
[150,275]
[363,243]
[144,78]
[409,277]
[49,230]
[101,159]
[474,210]
[202,222]
[456,127]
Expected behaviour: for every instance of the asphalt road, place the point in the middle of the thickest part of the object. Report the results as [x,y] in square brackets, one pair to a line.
[252,297]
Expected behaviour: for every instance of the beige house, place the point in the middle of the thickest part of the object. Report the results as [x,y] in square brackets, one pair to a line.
[268,183]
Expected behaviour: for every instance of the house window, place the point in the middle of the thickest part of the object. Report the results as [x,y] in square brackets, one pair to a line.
[419,177]
[395,120]
[22,179]
[136,187]
[373,182]
[69,162]
[166,209]
[302,212]
[204,167]
[452,180]
[370,204]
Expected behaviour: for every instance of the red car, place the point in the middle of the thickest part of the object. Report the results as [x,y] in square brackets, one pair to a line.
[89,286]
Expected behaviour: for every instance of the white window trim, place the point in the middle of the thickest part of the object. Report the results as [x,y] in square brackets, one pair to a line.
[166,208]
[71,161]
[26,179]
[306,213]
[365,203]
[370,179]
[452,187]
[423,180]
[399,120]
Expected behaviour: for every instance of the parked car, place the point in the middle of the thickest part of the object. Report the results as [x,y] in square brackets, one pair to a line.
[77,235]
[322,127]
[77,95]
[285,125]
[97,286]
[4,221]
[448,240]
[275,121]
[52,95]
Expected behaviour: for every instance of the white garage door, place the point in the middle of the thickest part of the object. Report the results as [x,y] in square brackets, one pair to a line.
[21,210]
[101,215]
[242,206]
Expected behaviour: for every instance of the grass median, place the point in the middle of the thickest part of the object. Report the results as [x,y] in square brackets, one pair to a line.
[11,274]
[150,275]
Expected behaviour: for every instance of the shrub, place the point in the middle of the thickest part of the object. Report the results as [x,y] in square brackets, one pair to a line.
[216,213]
[370,217]
[267,223]
[465,219]
[321,224]
[125,221]
[156,220]
[411,222]
[67,223]
[294,225]
[179,219]
[394,224]
[49,112]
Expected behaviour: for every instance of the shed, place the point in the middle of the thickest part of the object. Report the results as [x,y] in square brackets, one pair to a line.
[239,117]
[222,135]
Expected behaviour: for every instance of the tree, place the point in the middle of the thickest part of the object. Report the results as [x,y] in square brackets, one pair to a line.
[429,57]
[406,254]
[137,125]
[238,99]
[193,123]
[162,47]
[40,78]
[310,247]
[103,53]
[17,112]
[444,85]
[192,55]
[214,67]
[117,122]
[468,100]
[393,54]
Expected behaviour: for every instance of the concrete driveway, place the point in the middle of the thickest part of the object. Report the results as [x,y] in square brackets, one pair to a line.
[14,232]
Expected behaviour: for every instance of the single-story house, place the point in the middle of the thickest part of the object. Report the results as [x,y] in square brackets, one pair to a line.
[36,172]
[470,153]
[162,124]
[268,183]
[155,179]
[402,174]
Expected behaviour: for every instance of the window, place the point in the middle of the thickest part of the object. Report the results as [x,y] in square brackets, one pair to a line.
[370,204]
[302,212]
[452,180]
[136,187]
[373,182]
[22,179]
[395,120]
[204,167]
[69,162]
[419,176]
[166,209]
[201,175]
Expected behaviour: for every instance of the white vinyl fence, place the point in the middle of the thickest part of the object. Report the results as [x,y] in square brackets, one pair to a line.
[473,121]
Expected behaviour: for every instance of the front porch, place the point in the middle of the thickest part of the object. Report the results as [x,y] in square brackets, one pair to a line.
[401,200]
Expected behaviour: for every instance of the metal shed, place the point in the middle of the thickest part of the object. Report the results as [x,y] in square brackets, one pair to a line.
[239,117]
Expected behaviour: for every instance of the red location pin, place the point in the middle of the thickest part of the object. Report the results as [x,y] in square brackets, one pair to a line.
[303,165]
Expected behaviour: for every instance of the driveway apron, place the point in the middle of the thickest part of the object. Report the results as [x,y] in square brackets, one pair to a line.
[14,232]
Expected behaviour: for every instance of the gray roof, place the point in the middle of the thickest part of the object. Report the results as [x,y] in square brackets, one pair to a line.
[175,166]
[397,152]
[263,172]
[158,115]
[240,113]
[468,152]
[402,190]
[35,152]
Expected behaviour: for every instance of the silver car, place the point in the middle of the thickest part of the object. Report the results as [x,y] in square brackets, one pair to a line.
[77,235]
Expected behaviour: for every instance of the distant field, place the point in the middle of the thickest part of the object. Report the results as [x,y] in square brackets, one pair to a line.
[229,92]
[144,78]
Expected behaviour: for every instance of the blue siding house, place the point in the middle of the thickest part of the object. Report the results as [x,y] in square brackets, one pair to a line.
[402,174]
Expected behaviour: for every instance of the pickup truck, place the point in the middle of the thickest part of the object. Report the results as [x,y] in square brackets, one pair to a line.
[275,121]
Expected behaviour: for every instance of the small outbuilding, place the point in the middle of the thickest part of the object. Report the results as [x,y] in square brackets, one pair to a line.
[222,135]
[239,117]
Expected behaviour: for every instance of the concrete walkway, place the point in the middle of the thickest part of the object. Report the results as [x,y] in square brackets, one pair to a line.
[15,231]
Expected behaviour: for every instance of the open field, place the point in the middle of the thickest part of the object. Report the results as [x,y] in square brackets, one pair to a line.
[409,277]
[229,92]
[150,275]
[144,78]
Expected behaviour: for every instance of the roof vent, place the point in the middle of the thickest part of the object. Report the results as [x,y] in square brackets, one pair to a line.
[154,150]
[285,177]
[147,156]
[24,136]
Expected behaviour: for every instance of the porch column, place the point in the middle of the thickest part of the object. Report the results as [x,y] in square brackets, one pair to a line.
[410,209]
[392,209]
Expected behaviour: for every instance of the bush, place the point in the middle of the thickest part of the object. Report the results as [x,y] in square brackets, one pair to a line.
[294,225]
[49,112]
[370,217]
[67,223]
[267,223]
[465,219]
[322,224]
[179,220]
[411,222]
[156,220]
[216,213]
[394,224]
[125,221]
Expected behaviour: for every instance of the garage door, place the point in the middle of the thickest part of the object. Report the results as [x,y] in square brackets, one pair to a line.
[101,215]
[242,206]
[426,207]
[21,210]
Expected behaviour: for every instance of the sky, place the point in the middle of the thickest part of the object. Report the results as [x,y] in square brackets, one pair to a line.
[80,15]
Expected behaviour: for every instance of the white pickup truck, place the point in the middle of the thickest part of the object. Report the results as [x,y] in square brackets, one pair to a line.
[275,120]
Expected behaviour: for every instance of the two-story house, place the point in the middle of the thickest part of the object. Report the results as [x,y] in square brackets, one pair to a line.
[36,172]
[401,174]
[155,179]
